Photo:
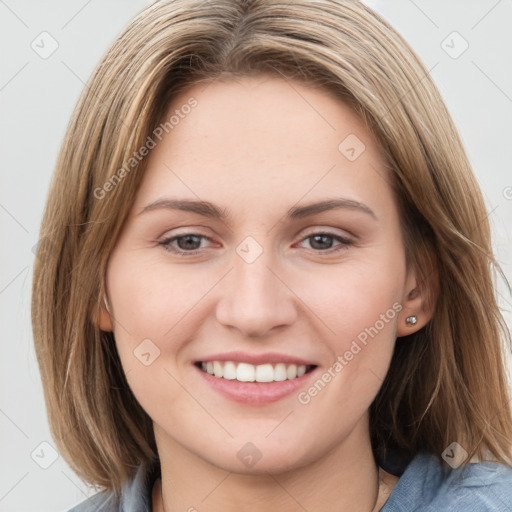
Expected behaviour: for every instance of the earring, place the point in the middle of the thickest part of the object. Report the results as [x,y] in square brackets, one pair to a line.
[106,305]
[411,320]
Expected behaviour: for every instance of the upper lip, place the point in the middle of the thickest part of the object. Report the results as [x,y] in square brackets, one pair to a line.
[256,359]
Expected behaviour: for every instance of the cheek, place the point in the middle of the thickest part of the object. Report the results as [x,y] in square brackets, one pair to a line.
[356,296]
[150,297]
[157,311]
[149,309]
[154,299]
[361,310]
[369,309]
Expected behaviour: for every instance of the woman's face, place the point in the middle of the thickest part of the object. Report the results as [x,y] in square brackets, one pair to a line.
[249,280]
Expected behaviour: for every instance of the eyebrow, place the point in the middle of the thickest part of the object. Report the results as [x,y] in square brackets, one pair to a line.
[207,209]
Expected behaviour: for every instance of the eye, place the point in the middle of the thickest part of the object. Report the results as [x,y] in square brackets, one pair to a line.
[322,242]
[190,243]
[185,242]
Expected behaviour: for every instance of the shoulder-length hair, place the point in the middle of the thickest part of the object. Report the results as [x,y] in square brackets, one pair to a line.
[447,382]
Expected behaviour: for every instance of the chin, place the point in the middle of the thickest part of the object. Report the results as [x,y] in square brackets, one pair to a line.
[260,458]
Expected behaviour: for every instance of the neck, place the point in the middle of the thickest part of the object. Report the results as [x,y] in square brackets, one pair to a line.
[346,479]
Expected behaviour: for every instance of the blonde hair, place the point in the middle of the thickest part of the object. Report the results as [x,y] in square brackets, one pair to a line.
[447,382]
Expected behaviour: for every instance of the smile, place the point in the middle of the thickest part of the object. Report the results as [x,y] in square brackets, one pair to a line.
[245,372]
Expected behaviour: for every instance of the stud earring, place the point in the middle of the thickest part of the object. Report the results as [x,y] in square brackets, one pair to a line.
[411,320]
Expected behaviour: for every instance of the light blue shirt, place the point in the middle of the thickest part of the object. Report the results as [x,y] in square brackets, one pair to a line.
[424,486]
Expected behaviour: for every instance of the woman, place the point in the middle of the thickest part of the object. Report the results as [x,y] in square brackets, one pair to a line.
[259,368]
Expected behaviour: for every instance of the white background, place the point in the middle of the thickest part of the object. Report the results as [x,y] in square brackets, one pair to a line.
[37,97]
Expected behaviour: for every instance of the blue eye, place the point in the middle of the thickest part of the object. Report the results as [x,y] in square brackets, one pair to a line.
[189,243]
[319,238]
[189,239]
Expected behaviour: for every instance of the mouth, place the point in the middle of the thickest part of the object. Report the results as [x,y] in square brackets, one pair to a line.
[255,379]
[262,373]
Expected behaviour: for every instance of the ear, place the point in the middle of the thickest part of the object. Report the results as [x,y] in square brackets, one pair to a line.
[419,299]
[102,318]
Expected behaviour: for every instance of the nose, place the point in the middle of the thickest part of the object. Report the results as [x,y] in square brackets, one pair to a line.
[255,298]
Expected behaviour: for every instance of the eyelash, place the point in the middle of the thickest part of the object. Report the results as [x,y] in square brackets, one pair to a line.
[166,243]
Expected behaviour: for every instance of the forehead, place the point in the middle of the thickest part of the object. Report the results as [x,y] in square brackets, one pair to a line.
[262,137]
[273,110]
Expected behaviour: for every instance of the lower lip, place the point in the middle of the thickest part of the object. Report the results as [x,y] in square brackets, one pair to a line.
[255,393]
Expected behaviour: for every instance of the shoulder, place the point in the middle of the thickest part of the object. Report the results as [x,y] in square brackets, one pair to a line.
[101,502]
[135,495]
[428,486]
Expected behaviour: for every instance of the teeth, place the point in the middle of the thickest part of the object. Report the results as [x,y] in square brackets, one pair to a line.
[229,370]
[245,372]
[264,373]
[280,372]
[291,371]
[218,369]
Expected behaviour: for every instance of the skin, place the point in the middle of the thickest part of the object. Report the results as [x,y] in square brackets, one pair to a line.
[259,146]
